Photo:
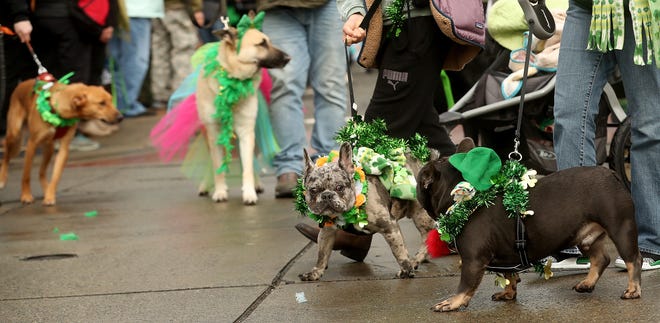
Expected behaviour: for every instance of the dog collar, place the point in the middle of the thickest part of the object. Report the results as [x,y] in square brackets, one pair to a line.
[46,110]
[355,217]
[512,182]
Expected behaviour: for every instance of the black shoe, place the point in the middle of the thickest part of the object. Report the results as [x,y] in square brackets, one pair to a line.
[352,246]
[286,185]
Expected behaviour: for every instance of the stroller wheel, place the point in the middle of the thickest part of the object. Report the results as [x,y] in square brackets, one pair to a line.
[620,152]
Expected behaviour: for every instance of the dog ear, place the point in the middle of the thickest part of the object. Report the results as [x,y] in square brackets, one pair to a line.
[79,100]
[435,154]
[308,164]
[465,145]
[228,36]
[346,158]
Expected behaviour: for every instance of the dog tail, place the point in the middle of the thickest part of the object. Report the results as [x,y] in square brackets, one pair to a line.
[172,134]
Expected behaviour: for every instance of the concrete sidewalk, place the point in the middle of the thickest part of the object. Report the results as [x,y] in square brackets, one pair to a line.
[157,252]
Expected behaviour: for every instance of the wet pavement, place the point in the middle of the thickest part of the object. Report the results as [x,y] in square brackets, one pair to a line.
[150,250]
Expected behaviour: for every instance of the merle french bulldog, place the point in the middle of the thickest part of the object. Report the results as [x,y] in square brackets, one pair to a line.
[579,206]
[330,191]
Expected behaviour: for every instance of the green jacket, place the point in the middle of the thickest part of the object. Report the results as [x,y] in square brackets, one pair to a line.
[269,4]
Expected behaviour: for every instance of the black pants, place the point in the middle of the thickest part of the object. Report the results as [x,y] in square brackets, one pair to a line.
[19,67]
[408,78]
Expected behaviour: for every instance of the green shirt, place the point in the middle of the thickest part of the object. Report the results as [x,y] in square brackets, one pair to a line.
[587,4]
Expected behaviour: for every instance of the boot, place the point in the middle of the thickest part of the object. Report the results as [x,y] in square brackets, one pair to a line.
[352,246]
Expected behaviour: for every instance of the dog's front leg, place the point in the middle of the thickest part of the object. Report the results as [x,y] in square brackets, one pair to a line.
[212,132]
[58,167]
[471,274]
[26,192]
[46,155]
[326,240]
[394,238]
[244,123]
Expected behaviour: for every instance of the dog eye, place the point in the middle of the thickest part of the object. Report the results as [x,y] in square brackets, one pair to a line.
[263,43]
[339,188]
[314,190]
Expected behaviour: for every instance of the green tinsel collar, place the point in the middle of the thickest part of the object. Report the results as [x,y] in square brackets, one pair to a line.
[356,216]
[396,15]
[48,112]
[373,134]
[230,91]
[512,182]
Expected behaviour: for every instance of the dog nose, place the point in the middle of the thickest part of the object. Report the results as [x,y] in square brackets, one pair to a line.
[326,196]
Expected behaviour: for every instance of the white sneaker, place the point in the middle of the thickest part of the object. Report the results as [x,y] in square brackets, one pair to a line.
[647,263]
[570,263]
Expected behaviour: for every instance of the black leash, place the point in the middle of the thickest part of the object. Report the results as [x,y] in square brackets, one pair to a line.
[542,25]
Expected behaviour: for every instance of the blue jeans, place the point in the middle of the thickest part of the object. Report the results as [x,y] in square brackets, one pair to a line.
[580,80]
[131,55]
[313,39]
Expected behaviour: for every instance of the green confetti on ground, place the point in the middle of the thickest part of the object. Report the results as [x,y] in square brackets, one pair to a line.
[56,230]
[68,236]
[91,214]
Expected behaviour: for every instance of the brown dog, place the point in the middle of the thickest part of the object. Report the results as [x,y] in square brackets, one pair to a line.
[74,101]
[578,206]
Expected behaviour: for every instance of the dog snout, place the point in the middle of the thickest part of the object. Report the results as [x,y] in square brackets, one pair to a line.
[327,196]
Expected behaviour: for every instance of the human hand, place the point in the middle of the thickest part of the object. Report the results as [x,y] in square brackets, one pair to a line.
[23,29]
[199,18]
[106,34]
[352,31]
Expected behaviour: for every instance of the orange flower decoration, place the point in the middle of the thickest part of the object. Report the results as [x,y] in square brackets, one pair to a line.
[360,172]
[321,161]
[360,199]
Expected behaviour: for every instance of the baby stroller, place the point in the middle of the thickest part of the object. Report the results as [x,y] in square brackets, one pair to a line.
[491,118]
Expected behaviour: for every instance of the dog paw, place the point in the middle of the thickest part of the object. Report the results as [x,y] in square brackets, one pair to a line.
[503,296]
[445,306]
[48,202]
[310,276]
[405,274]
[583,287]
[259,189]
[27,199]
[2,185]
[631,294]
[250,198]
[219,196]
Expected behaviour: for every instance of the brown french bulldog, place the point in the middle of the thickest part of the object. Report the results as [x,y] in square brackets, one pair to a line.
[578,206]
[330,190]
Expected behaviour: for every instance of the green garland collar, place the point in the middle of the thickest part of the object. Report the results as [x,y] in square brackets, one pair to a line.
[395,14]
[356,216]
[512,182]
[373,134]
[230,91]
[48,112]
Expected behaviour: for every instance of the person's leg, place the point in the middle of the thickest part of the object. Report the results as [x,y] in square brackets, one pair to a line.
[409,74]
[184,40]
[642,89]
[134,63]
[284,27]
[161,60]
[327,76]
[581,75]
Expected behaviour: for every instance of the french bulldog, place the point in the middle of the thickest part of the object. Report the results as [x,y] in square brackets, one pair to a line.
[579,206]
[330,191]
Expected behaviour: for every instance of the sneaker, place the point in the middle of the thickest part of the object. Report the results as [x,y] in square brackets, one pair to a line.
[286,184]
[82,143]
[649,262]
[569,262]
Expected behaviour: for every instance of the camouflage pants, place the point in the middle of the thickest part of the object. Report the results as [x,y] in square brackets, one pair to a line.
[173,41]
